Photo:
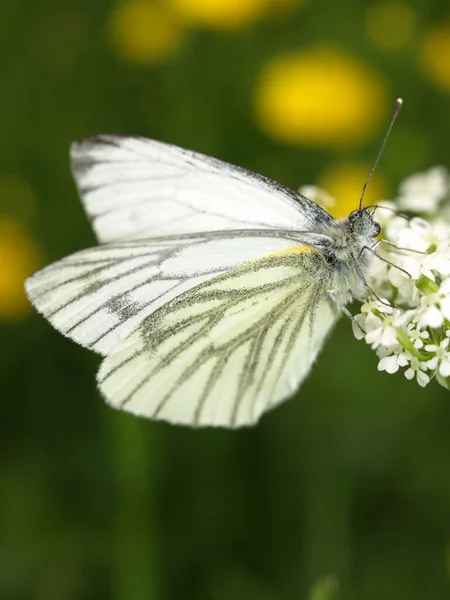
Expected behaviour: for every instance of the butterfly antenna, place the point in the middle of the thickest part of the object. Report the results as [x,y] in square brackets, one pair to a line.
[398,105]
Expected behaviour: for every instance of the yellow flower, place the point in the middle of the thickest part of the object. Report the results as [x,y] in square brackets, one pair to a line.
[144,32]
[220,14]
[344,182]
[390,24]
[435,56]
[320,97]
[19,257]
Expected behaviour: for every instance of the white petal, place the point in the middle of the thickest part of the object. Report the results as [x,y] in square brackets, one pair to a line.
[431,347]
[432,364]
[389,337]
[445,307]
[388,364]
[374,337]
[431,317]
[422,378]
[402,360]
[361,320]
[444,368]
[373,322]
[409,374]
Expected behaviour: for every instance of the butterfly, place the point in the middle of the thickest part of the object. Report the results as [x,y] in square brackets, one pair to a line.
[212,289]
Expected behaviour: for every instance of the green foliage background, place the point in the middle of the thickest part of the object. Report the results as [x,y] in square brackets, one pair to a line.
[349,479]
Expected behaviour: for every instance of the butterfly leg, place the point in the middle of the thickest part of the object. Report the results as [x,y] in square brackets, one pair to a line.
[345,310]
[367,286]
[375,253]
[398,249]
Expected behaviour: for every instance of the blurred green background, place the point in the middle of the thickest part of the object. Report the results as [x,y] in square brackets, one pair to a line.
[350,479]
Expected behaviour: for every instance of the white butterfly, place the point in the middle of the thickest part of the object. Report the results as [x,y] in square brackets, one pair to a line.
[213,288]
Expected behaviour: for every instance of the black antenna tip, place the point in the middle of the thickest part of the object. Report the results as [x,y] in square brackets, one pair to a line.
[398,105]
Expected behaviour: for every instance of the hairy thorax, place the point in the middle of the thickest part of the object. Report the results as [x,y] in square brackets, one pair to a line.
[349,258]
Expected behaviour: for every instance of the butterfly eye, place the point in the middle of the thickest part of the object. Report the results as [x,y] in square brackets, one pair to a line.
[376,229]
[361,226]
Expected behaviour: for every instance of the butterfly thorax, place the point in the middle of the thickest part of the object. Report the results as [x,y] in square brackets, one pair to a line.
[348,252]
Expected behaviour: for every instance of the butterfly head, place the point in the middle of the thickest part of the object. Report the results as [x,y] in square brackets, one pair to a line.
[362,224]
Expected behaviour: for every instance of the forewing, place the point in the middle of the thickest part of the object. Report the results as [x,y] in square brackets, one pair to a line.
[228,350]
[135,188]
[99,296]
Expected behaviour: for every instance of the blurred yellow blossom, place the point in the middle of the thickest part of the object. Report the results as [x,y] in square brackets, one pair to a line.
[19,257]
[220,14]
[435,56]
[144,31]
[390,24]
[319,97]
[344,183]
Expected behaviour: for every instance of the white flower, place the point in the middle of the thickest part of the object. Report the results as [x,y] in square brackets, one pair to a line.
[420,227]
[404,282]
[391,363]
[441,358]
[416,234]
[417,368]
[379,278]
[413,272]
[430,315]
[445,299]
[435,307]
[372,304]
[423,192]
[381,332]
[417,335]
[438,260]
[358,325]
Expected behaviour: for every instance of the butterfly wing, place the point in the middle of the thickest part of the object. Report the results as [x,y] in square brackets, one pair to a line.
[229,349]
[134,188]
[196,327]
[98,296]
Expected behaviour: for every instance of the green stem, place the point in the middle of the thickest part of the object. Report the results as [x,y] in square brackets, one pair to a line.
[405,341]
[135,546]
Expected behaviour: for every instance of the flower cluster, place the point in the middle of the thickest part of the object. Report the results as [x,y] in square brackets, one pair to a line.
[408,325]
